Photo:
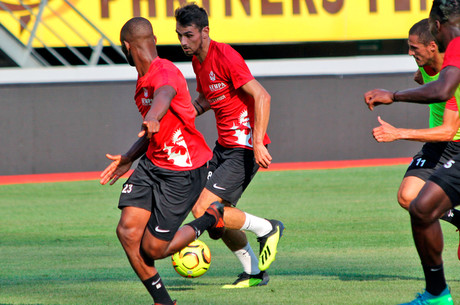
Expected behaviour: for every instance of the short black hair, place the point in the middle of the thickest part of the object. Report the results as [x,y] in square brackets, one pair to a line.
[192,14]
[422,30]
[135,26]
[443,10]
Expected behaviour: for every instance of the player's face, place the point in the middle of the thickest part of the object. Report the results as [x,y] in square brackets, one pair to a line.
[190,38]
[422,54]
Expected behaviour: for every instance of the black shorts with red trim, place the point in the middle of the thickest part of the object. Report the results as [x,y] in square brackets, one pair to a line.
[230,171]
[168,195]
[431,157]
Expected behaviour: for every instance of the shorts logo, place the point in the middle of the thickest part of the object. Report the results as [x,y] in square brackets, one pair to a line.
[209,175]
[127,188]
[449,164]
[157,228]
[218,187]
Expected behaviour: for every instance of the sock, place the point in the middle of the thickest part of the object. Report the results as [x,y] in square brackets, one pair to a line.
[434,278]
[157,290]
[248,259]
[256,225]
[202,223]
[452,216]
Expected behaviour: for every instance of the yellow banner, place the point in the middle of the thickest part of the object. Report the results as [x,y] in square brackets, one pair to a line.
[85,22]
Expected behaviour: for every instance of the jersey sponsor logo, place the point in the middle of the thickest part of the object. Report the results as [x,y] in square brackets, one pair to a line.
[220,98]
[212,76]
[177,150]
[243,131]
[218,187]
[217,87]
[157,229]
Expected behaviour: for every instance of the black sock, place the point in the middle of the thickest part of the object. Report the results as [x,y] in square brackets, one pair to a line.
[157,290]
[434,278]
[452,216]
[202,223]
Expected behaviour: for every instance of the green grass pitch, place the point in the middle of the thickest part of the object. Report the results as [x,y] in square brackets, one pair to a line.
[347,241]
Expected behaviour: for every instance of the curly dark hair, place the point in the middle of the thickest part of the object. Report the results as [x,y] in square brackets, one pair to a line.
[443,10]
[192,14]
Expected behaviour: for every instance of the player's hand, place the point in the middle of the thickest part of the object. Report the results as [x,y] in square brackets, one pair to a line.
[377,97]
[385,132]
[119,166]
[418,78]
[149,126]
[262,156]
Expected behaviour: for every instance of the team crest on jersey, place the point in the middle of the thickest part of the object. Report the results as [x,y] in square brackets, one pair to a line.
[177,150]
[243,131]
[145,100]
[212,76]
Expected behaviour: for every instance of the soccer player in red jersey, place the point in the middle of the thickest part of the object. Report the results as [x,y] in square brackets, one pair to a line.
[172,171]
[442,190]
[242,108]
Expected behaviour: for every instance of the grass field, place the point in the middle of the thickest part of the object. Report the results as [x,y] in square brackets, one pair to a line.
[346,242]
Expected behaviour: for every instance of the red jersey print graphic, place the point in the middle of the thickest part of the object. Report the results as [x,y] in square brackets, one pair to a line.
[177,150]
[243,131]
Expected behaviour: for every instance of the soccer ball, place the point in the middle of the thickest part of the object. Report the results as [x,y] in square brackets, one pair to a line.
[192,261]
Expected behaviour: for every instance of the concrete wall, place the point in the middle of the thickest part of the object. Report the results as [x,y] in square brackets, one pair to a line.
[68,127]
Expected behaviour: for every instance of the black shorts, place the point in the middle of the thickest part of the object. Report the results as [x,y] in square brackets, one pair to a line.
[230,171]
[448,178]
[168,195]
[432,157]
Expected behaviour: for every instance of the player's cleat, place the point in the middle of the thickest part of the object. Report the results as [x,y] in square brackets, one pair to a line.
[216,209]
[245,280]
[268,244]
[427,298]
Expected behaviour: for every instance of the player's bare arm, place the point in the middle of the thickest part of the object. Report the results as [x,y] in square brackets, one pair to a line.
[201,105]
[432,92]
[162,98]
[122,163]
[261,116]
[446,132]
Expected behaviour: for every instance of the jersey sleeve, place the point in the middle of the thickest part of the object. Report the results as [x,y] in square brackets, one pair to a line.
[166,76]
[195,64]
[452,104]
[236,68]
[452,55]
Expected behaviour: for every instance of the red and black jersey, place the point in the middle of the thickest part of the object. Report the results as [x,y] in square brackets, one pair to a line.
[220,78]
[178,145]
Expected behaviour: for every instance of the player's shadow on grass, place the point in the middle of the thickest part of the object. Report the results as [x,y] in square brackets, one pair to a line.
[350,276]
[185,284]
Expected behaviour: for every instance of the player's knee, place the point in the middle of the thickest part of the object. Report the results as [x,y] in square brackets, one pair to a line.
[404,200]
[128,236]
[153,252]
[198,210]
[420,211]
